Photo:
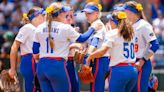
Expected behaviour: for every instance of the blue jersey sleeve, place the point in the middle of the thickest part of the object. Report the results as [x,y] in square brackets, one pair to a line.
[154,45]
[94,42]
[36,47]
[85,36]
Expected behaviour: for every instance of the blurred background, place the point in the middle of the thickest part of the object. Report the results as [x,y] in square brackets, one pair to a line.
[11,14]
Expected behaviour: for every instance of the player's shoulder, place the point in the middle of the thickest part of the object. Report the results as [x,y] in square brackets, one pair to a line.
[142,24]
[112,33]
[65,26]
[61,26]
[40,27]
[27,27]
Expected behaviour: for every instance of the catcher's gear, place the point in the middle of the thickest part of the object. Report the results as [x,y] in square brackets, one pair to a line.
[8,84]
[85,74]
[153,83]
[79,56]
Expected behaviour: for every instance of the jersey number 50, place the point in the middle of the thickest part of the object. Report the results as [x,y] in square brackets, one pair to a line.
[129,50]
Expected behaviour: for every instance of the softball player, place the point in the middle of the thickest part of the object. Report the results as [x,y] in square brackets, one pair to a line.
[24,40]
[52,40]
[70,63]
[120,43]
[100,66]
[146,43]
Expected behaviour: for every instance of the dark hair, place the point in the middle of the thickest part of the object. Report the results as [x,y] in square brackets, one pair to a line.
[133,5]
[124,27]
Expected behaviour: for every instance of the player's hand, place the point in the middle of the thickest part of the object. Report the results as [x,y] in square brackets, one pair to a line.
[12,73]
[139,64]
[77,46]
[77,29]
[96,26]
[89,59]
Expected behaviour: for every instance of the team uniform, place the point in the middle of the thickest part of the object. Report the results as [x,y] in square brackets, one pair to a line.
[100,66]
[51,69]
[144,39]
[72,72]
[27,65]
[123,74]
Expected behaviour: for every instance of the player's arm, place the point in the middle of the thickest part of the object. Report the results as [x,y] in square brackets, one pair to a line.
[85,36]
[13,58]
[35,49]
[154,46]
[36,46]
[151,40]
[75,36]
[76,46]
[98,53]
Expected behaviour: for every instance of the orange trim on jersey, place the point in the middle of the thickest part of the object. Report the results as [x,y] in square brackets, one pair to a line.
[34,72]
[139,81]
[95,74]
[69,81]
[33,66]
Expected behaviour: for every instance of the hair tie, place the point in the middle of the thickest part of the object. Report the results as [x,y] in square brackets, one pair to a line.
[122,15]
[49,9]
[99,7]
[139,7]
[25,15]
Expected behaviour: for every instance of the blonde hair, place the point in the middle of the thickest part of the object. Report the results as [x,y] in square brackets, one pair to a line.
[25,19]
[133,4]
[124,27]
[53,8]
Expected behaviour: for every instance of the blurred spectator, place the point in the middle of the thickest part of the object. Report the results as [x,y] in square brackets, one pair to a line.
[7,8]
[107,5]
[27,5]
[2,22]
[5,50]
[47,3]
[16,18]
[158,24]
[79,5]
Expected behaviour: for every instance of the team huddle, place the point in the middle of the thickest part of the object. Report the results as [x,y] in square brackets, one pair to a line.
[118,50]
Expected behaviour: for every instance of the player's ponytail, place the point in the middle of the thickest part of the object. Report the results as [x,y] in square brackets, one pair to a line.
[124,27]
[137,7]
[25,19]
[51,11]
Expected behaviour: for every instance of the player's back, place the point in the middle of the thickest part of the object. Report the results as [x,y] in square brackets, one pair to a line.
[121,51]
[143,35]
[25,36]
[60,33]
[100,34]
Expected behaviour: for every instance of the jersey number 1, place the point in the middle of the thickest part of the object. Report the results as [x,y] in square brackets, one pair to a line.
[47,43]
[129,52]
